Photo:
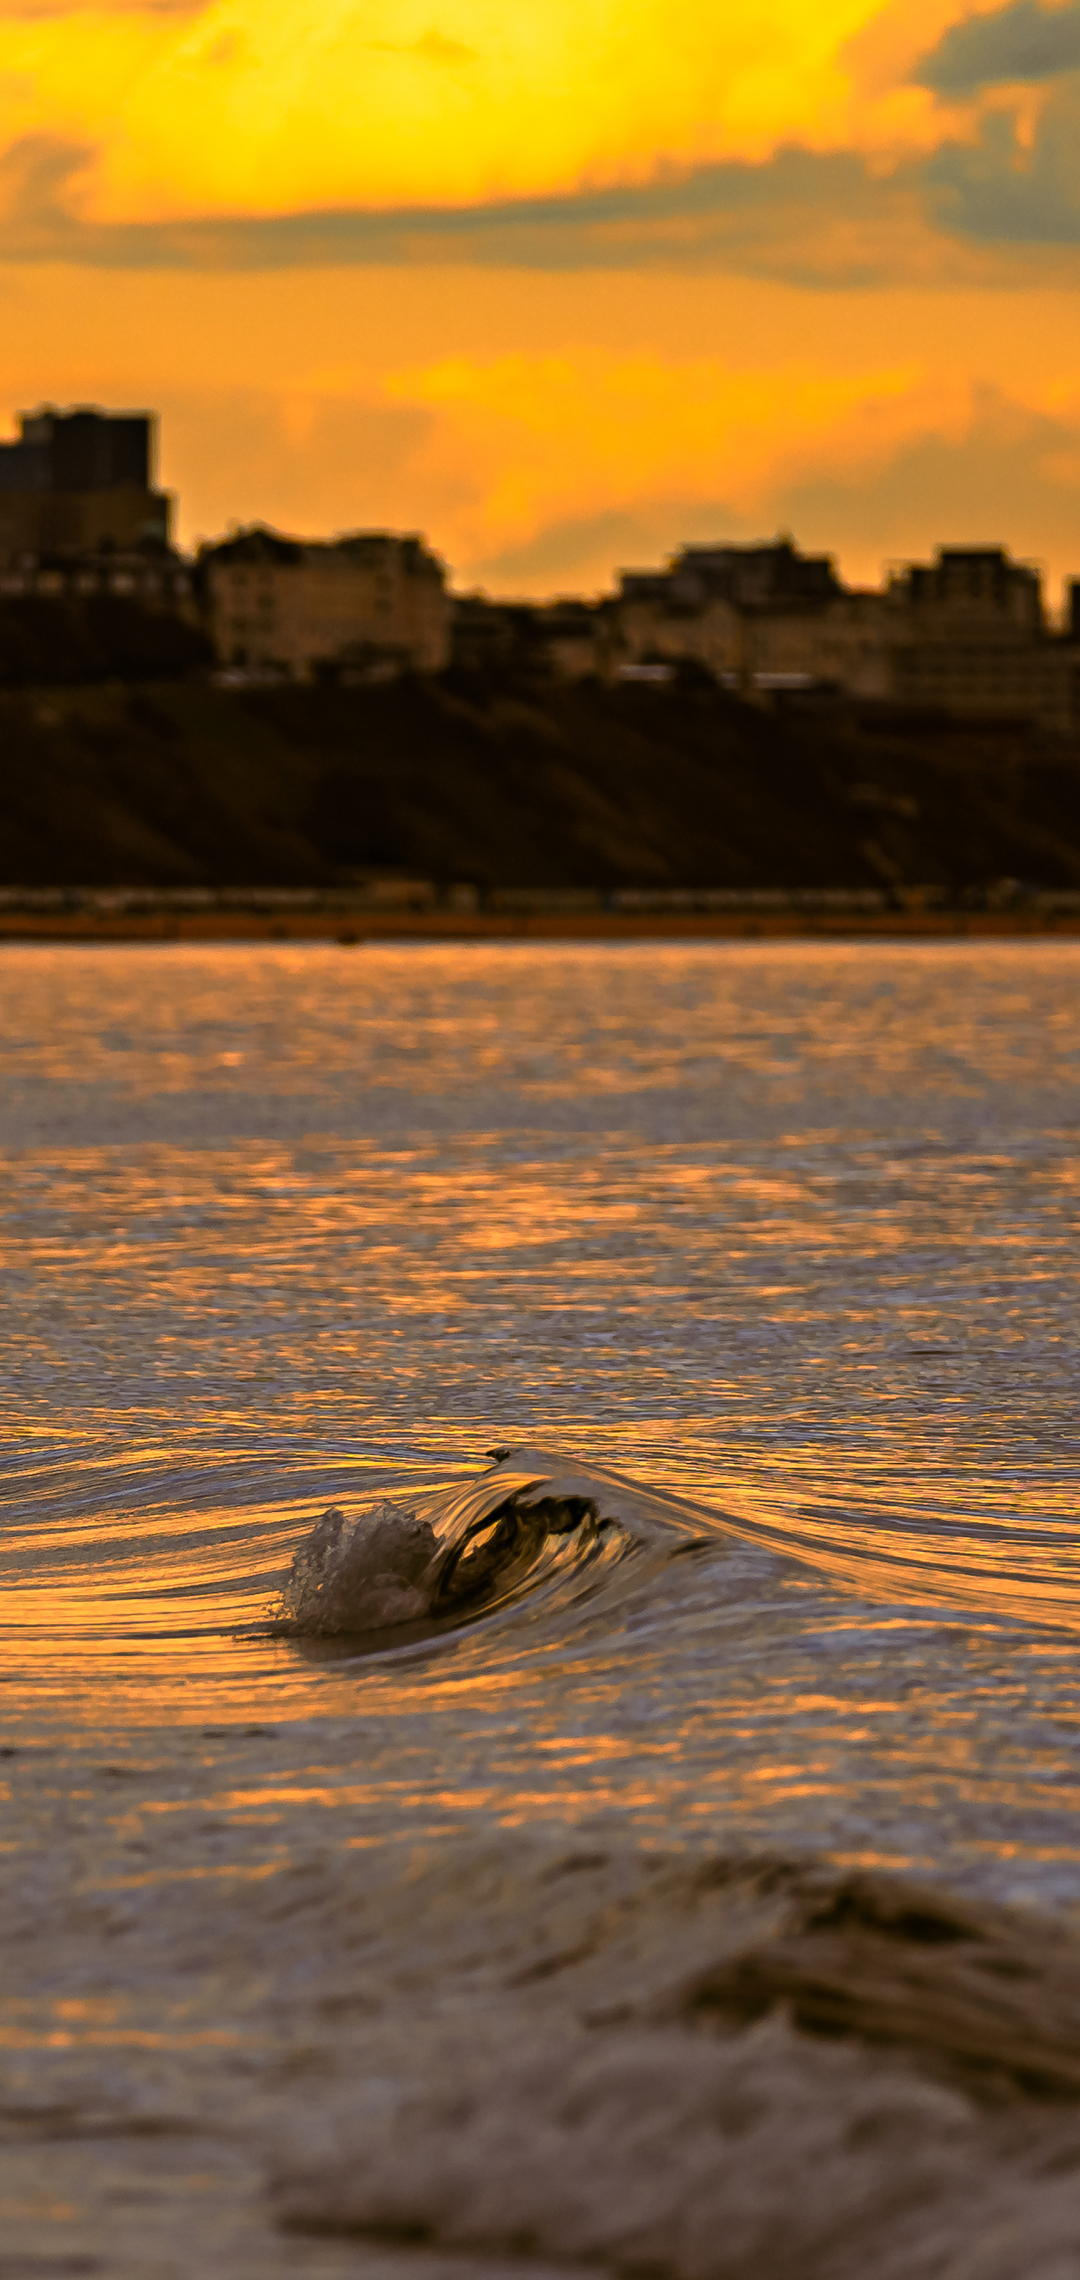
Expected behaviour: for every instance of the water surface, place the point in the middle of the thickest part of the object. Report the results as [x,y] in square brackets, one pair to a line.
[787,1232]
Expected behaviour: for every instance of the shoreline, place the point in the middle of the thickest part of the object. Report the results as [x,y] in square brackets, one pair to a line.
[353,927]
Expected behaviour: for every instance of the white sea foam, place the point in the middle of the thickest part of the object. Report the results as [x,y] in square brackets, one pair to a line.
[533,1517]
[369,1573]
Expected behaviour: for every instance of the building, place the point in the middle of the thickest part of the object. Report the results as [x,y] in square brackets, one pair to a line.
[655,627]
[845,643]
[771,575]
[743,612]
[966,635]
[79,483]
[155,577]
[969,636]
[366,604]
[567,639]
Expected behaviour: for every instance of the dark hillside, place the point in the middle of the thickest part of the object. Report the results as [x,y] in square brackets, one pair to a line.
[47,641]
[518,784]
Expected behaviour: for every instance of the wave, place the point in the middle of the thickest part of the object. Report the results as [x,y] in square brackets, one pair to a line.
[694,2067]
[533,1521]
[98,1550]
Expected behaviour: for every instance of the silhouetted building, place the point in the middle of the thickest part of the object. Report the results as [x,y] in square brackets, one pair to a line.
[78,451]
[567,639]
[79,482]
[753,616]
[156,577]
[979,587]
[752,576]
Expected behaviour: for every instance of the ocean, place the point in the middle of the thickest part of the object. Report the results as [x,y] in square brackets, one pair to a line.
[639,1830]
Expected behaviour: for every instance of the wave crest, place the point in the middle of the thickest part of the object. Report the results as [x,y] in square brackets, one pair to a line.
[483,1545]
[368,1572]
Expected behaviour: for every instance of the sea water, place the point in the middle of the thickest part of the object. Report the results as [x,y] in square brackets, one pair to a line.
[682,1341]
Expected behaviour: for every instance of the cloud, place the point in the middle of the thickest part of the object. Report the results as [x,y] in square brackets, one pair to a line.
[37,175]
[582,549]
[1001,190]
[1017,44]
[818,219]
[808,217]
[1011,476]
[824,219]
[400,102]
[229,48]
[976,469]
[556,445]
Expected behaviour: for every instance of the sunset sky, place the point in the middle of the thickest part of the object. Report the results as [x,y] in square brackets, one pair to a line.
[562,285]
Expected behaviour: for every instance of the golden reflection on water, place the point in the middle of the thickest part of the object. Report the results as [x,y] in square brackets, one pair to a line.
[788,1230]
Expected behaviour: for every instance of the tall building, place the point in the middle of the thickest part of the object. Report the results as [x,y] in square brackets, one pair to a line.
[80,482]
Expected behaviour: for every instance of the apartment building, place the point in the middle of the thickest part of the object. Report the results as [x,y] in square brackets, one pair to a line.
[367,603]
[155,577]
[80,482]
[971,637]
[566,638]
[656,626]
[740,611]
[771,576]
[966,634]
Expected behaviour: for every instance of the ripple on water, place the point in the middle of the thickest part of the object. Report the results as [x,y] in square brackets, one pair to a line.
[787,1232]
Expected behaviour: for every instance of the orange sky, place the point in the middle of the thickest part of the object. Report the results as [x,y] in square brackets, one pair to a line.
[562,285]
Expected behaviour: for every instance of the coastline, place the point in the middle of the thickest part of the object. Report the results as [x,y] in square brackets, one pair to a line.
[425,808]
[348,927]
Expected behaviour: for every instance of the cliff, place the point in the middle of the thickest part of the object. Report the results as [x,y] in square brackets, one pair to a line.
[518,782]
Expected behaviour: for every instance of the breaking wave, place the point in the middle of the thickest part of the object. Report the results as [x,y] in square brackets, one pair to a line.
[530,1523]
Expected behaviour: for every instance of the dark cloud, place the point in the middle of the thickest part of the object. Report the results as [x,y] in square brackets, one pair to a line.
[1013,479]
[814,219]
[1001,191]
[36,176]
[1020,43]
[580,548]
[808,217]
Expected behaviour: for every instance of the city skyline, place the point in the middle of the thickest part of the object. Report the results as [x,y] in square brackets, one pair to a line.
[58,457]
[568,288]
